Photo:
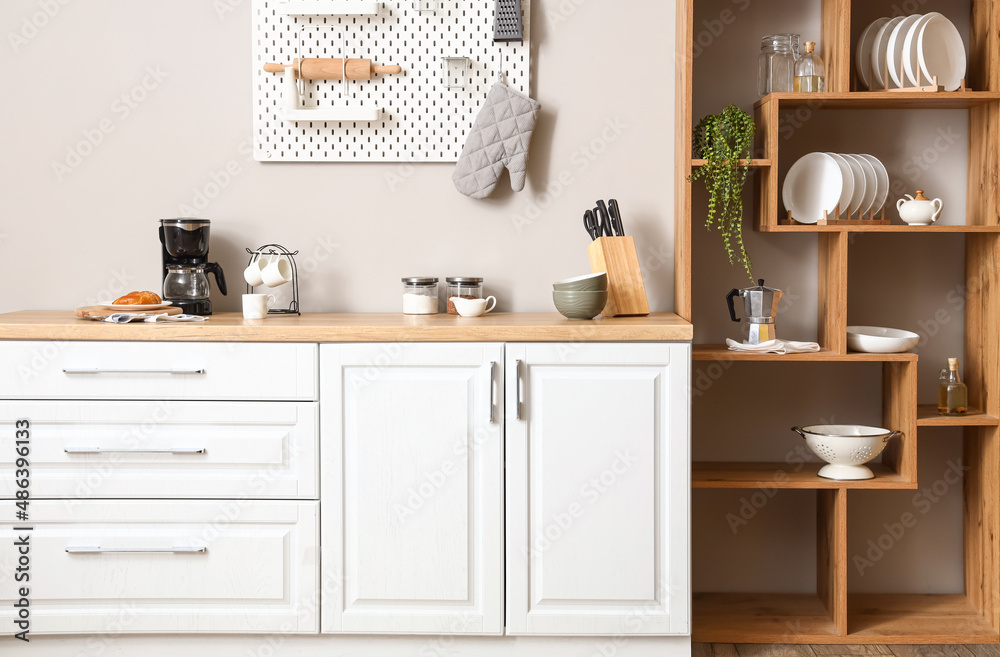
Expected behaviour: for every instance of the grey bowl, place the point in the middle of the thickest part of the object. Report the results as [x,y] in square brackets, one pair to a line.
[580,305]
[589,283]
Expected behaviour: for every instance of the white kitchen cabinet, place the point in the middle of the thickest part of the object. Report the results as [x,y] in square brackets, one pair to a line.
[165,567]
[412,488]
[165,449]
[597,497]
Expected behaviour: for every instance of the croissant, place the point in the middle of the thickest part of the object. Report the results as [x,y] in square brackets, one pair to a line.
[139,298]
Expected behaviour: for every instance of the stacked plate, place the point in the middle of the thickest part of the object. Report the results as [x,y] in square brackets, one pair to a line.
[914,49]
[818,182]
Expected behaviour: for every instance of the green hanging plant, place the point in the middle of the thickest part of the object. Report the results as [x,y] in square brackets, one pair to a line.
[724,142]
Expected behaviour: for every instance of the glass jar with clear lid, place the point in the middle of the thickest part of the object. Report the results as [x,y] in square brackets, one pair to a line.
[776,63]
[467,288]
[420,296]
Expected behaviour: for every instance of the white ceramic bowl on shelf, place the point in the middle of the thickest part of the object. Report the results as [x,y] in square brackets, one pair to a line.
[846,448]
[880,340]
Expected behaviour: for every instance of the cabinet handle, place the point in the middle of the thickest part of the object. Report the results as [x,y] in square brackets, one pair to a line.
[517,375]
[171,550]
[102,371]
[493,378]
[101,450]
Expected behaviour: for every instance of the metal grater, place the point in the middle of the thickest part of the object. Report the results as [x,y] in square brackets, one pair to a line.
[508,26]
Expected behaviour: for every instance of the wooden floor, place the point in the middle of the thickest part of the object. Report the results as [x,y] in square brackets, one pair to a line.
[759,650]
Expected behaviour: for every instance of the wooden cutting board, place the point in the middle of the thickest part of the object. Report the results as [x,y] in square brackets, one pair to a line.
[104,311]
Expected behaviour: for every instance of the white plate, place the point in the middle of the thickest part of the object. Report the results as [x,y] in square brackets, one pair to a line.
[812,186]
[863,54]
[911,63]
[860,183]
[125,307]
[941,52]
[879,49]
[871,184]
[882,180]
[879,340]
[847,193]
[894,52]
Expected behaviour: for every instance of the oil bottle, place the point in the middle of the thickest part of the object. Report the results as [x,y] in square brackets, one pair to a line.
[810,74]
[953,396]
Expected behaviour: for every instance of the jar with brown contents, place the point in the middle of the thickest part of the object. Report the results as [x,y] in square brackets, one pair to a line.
[466,288]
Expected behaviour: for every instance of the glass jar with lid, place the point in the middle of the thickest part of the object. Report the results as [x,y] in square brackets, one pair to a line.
[467,288]
[776,63]
[420,296]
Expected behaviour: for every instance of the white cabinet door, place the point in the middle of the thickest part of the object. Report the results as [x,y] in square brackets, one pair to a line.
[142,567]
[412,488]
[598,482]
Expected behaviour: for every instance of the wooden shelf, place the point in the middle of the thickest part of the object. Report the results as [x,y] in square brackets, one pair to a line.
[862,228]
[753,163]
[723,353]
[882,100]
[762,618]
[911,618]
[730,475]
[927,416]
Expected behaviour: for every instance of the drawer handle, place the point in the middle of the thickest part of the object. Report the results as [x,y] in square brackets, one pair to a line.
[99,450]
[517,399]
[171,550]
[493,378]
[100,371]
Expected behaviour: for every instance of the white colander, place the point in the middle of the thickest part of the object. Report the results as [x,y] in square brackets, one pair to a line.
[846,447]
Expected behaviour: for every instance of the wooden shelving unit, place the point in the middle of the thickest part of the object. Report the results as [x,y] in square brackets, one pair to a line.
[834,614]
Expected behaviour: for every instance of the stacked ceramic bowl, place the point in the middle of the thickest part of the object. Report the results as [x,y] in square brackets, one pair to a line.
[911,51]
[819,183]
[582,297]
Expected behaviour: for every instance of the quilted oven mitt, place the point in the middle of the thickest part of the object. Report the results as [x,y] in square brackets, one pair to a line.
[500,138]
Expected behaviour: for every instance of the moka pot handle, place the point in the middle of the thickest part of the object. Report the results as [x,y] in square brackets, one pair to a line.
[732,308]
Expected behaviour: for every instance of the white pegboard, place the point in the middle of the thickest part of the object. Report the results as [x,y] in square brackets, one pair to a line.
[422,121]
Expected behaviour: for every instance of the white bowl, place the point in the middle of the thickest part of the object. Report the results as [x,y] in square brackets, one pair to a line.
[880,340]
[846,448]
[941,52]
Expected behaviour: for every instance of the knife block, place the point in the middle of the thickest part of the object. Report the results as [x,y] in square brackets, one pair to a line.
[626,292]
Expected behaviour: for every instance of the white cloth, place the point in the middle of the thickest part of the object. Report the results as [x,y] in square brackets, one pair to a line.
[125,318]
[774,347]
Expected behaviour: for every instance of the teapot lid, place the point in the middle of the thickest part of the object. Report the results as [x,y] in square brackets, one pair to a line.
[760,287]
[920,196]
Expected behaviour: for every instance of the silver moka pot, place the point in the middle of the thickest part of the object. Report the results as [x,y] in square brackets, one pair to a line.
[760,307]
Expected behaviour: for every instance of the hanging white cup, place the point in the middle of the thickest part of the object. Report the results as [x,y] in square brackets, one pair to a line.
[277,272]
[253,274]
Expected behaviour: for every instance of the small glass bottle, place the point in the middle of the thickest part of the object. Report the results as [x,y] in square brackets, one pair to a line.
[776,63]
[953,396]
[810,74]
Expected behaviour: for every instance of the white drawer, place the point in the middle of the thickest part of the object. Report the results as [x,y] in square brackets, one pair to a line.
[161,567]
[138,449]
[228,371]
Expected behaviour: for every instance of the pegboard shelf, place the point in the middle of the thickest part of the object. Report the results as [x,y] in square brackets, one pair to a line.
[421,120]
[337,114]
[327,8]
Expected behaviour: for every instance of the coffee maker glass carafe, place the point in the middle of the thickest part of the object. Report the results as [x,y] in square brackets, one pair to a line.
[186,265]
[760,307]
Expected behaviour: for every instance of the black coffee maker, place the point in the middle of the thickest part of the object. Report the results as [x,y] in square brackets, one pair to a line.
[186,266]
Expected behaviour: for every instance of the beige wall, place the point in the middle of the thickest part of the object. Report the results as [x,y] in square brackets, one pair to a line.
[605,82]
[744,412]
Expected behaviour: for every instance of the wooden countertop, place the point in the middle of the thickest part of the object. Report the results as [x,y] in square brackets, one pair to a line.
[322,327]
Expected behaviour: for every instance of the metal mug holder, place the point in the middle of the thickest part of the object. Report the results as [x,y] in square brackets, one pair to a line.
[281,252]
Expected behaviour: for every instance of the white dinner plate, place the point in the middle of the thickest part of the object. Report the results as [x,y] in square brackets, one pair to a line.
[125,307]
[871,184]
[894,51]
[812,187]
[863,54]
[847,193]
[941,52]
[911,63]
[879,49]
[858,174]
[882,180]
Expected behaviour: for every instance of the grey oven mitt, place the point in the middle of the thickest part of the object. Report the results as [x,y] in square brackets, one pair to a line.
[500,138]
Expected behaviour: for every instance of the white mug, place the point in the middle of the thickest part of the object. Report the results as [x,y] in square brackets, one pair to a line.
[254,271]
[277,272]
[473,307]
[255,306]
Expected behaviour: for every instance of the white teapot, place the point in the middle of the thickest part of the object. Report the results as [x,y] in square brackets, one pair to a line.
[919,211]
